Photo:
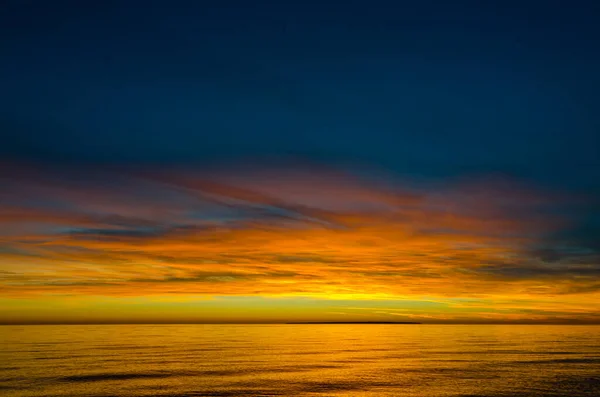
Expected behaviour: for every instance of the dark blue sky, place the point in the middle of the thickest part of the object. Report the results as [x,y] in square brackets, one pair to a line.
[427,88]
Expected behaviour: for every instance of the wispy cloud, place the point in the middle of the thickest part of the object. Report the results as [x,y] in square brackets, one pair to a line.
[299,230]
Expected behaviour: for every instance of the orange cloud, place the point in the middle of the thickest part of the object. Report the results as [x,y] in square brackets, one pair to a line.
[290,232]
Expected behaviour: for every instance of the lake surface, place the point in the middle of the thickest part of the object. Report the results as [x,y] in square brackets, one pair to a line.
[295,360]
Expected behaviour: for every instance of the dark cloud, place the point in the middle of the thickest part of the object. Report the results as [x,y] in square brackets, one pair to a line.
[536,271]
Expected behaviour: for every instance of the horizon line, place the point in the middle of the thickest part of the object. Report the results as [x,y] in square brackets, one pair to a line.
[286,323]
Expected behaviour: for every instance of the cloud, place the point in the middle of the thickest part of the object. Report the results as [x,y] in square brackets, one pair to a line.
[300,230]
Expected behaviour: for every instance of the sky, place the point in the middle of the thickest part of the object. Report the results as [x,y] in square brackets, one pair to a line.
[244,161]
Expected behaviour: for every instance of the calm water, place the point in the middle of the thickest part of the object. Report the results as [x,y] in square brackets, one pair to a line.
[292,360]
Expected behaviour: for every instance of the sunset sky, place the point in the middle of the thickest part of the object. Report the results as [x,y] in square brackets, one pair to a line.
[299,161]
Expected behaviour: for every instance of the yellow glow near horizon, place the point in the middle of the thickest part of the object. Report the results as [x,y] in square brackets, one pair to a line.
[286,245]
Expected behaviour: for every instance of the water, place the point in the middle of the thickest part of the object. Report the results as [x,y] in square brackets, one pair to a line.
[295,360]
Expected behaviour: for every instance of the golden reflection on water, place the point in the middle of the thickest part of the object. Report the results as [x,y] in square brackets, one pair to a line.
[325,360]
